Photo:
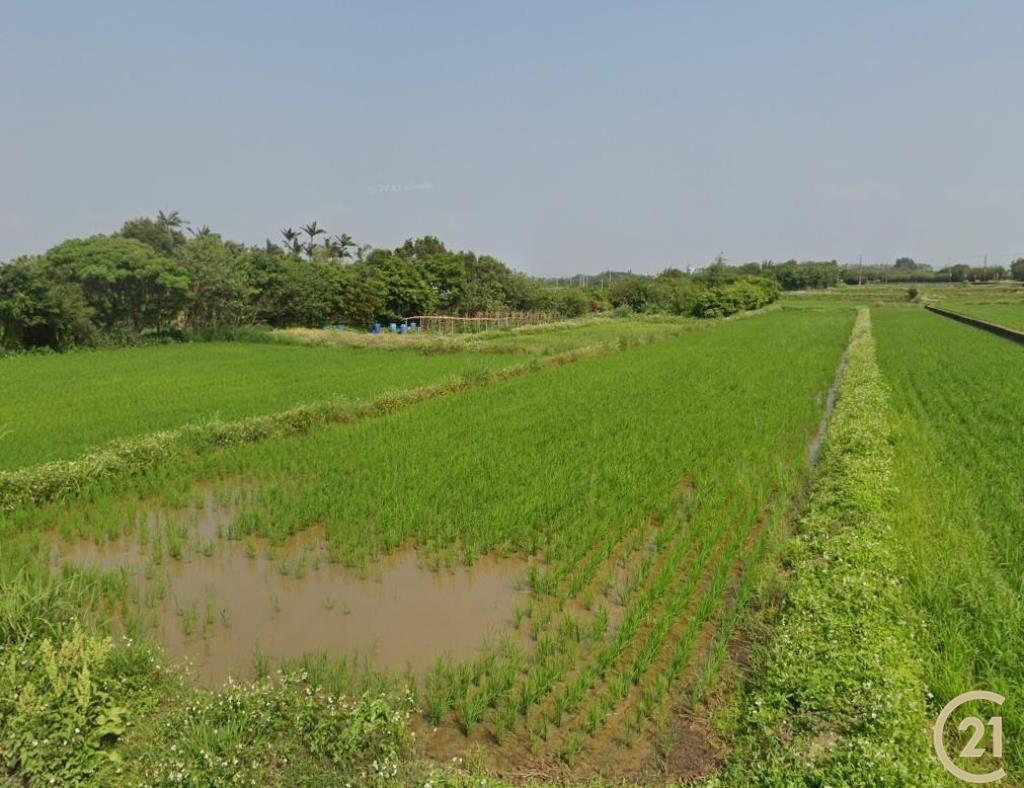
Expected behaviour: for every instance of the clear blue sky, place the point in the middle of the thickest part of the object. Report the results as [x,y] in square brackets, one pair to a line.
[561,137]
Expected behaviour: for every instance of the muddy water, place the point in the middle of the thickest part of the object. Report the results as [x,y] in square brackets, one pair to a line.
[814,449]
[222,601]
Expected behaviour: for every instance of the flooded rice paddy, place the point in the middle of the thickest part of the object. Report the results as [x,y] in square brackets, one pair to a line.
[216,603]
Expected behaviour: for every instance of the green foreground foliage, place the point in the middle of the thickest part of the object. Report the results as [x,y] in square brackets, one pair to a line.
[80,708]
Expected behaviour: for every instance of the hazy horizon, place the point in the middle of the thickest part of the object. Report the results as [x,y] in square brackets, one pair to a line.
[563,139]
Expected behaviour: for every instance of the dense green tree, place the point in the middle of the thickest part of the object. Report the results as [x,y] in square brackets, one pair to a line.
[792,275]
[125,282]
[149,274]
[363,298]
[959,273]
[675,294]
[162,234]
[220,293]
[421,248]
[36,311]
[571,302]
[636,293]
[718,273]
[1017,269]
[409,291]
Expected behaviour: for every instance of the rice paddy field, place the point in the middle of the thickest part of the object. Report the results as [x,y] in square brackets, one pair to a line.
[959,452]
[1009,314]
[57,407]
[763,551]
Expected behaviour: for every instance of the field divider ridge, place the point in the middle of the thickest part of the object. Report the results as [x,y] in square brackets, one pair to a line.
[852,696]
[65,479]
[994,328]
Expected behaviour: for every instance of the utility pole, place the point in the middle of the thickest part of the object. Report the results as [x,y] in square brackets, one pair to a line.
[860,270]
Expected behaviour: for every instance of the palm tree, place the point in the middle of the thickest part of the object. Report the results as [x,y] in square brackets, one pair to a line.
[312,230]
[172,221]
[291,240]
[340,245]
[202,232]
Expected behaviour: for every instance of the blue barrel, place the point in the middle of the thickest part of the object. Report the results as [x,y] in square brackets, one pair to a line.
[402,328]
[393,327]
[376,328]
[413,326]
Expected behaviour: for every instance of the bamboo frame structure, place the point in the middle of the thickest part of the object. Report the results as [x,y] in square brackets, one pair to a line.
[454,324]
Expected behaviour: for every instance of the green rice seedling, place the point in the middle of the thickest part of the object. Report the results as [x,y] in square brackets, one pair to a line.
[471,709]
[594,717]
[261,665]
[189,619]
[571,748]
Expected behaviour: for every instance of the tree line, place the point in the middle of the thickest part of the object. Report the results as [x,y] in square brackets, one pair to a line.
[906,270]
[159,275]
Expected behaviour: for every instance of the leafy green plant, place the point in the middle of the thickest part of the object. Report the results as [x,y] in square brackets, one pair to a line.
[59,710]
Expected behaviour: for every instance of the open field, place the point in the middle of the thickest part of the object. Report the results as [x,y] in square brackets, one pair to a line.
[638,515]
[834,690]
